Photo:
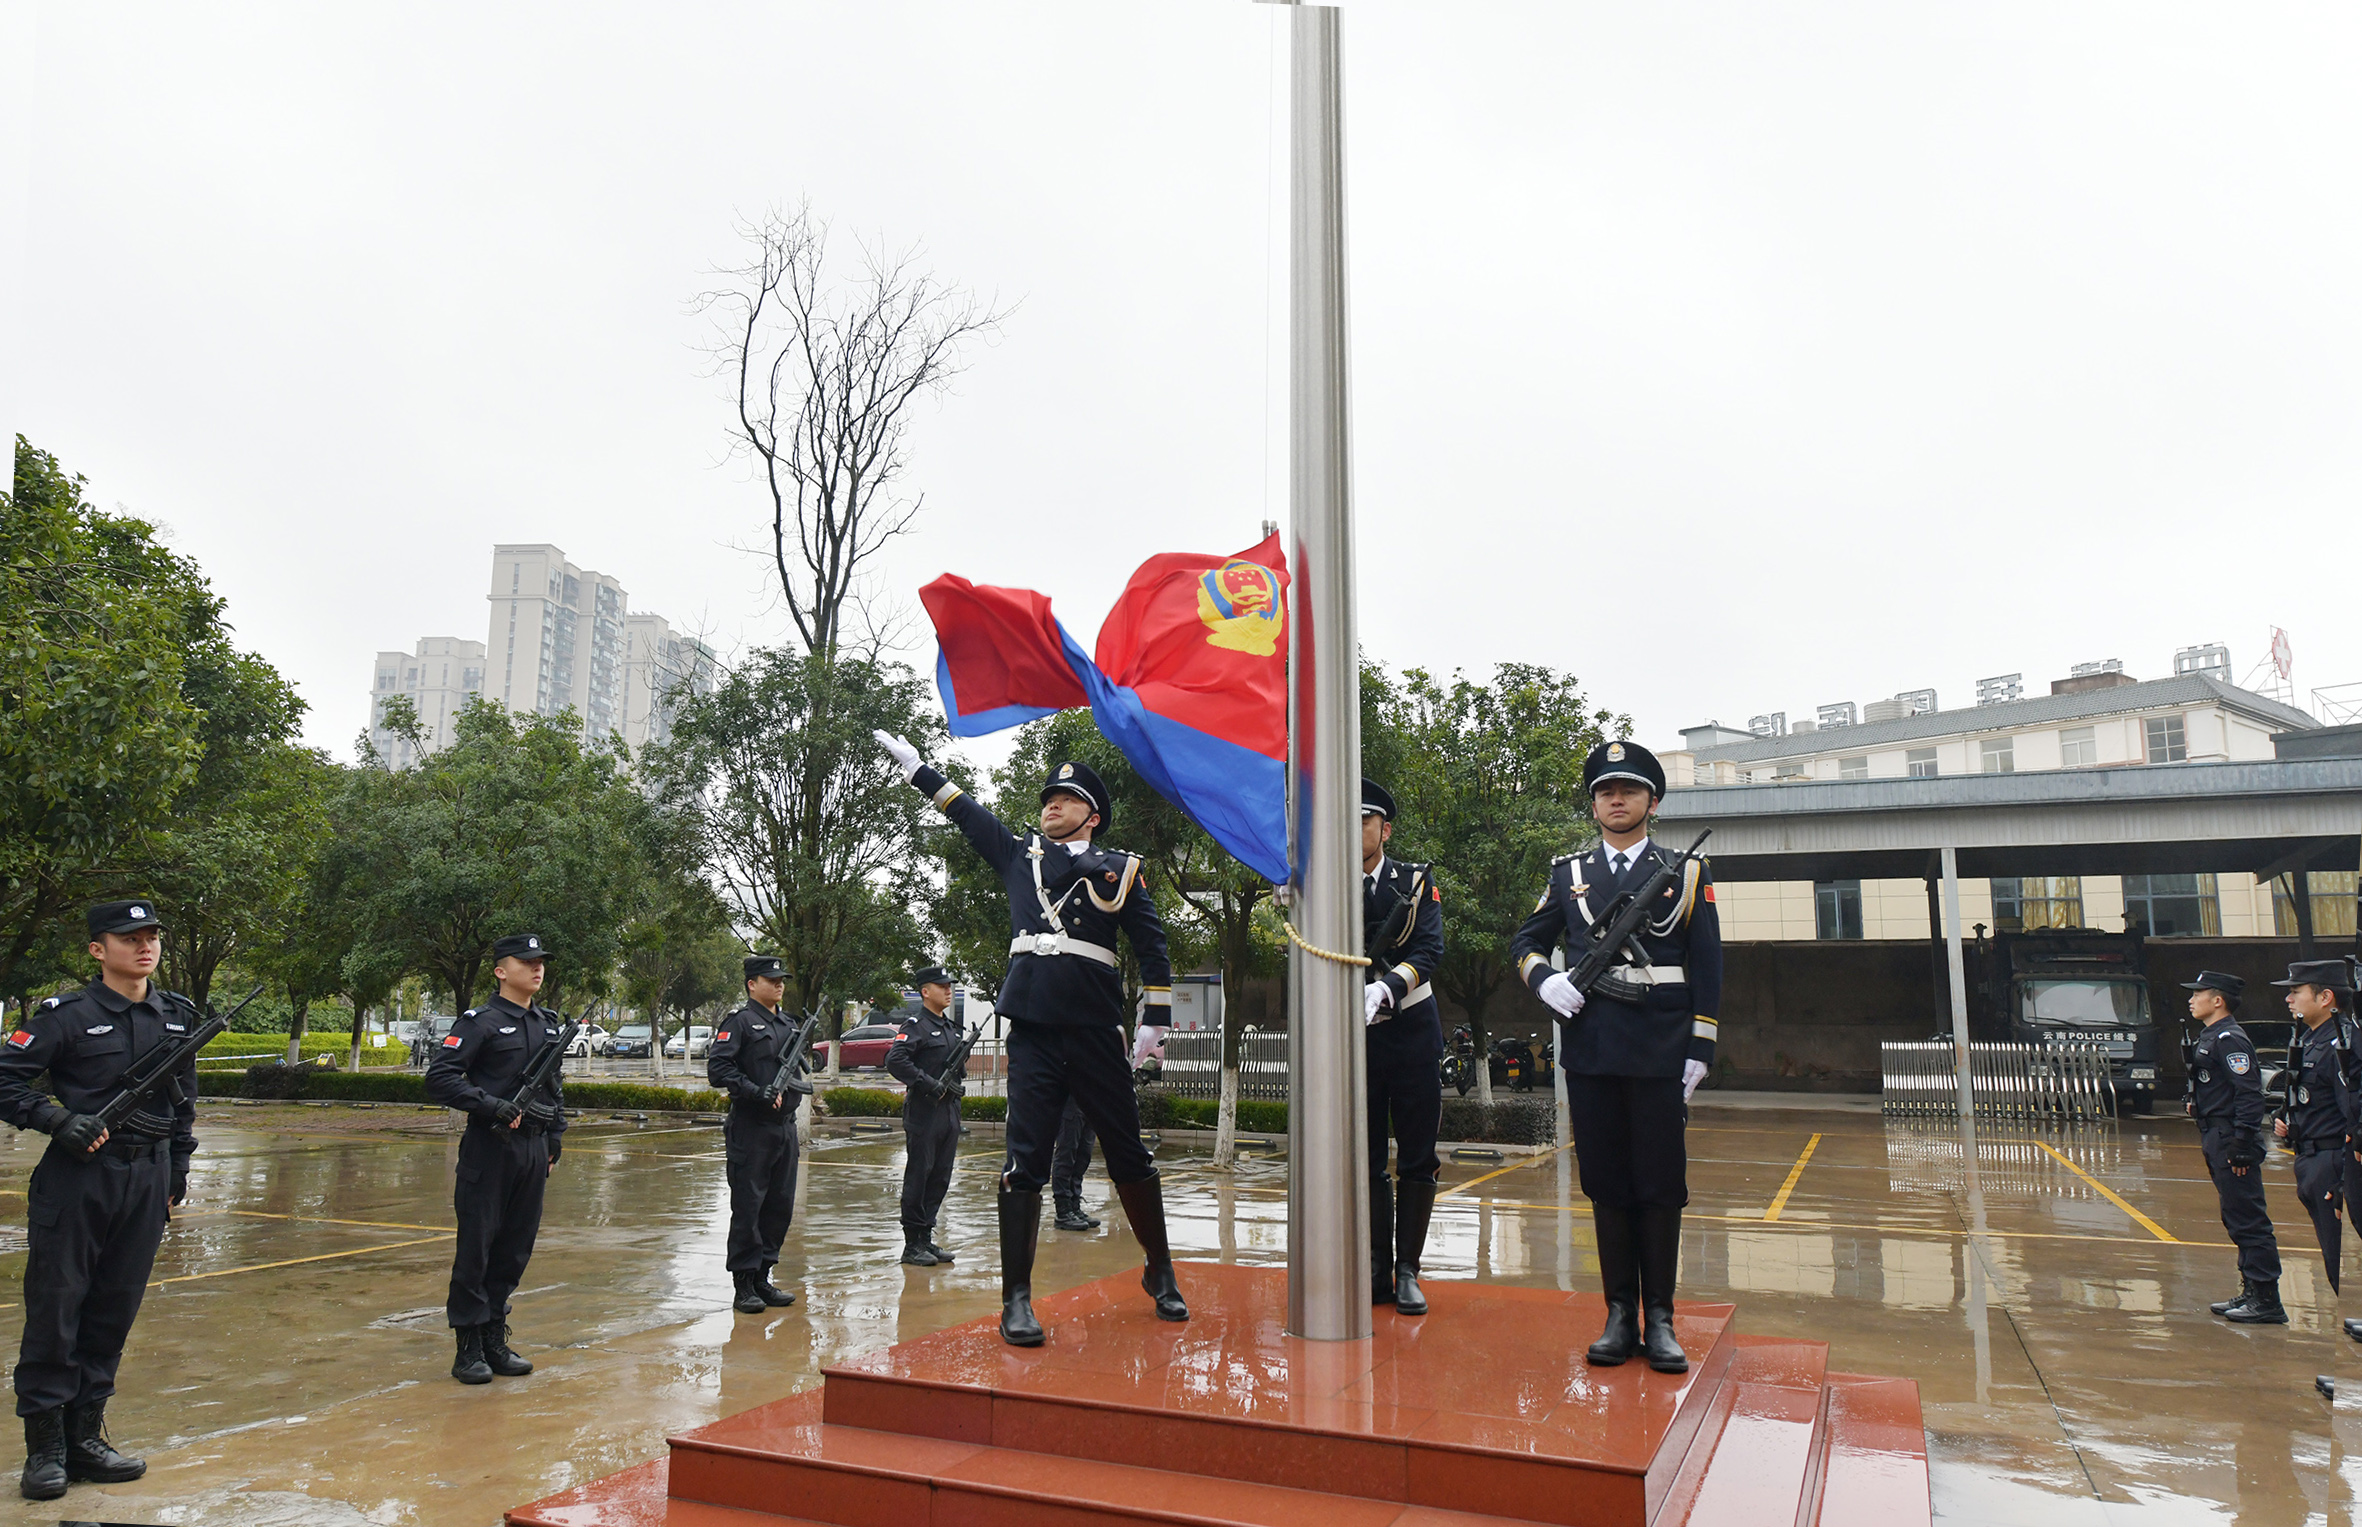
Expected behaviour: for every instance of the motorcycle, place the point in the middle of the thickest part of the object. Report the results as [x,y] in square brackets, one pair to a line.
[1459,1062]
[1516,1064]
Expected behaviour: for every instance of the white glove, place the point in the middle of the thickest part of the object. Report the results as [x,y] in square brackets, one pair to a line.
[906,757]
[1560,995]
[1692,1073]
[1375,997]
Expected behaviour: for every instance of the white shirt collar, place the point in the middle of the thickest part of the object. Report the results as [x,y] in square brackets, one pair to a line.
[1631,855]
[1370,877]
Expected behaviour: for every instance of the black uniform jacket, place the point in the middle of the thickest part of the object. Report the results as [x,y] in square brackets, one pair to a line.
[745,1055]
[922,1048]
[86,1040]
[1407,963]
[1683,942]
[2226,1080]
[1086,897]
[2317,1117]
[479,1061]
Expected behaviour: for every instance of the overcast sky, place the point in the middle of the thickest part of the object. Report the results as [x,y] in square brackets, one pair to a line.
[1737,357]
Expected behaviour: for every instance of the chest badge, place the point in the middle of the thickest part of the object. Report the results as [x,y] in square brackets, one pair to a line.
[511,1029]
[176,1028]
[2238,1063]
[2202,1076]
[2304,1094]
[104,1028]
[754,1028]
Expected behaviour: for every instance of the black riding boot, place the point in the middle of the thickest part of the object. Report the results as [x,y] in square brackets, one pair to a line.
[469,1366]
[1660,1258]
[1021,1225]
[45,1455]
[1417,1201]
[1144,1206]
[1619,1281]
[1381,1240]
[497,1355]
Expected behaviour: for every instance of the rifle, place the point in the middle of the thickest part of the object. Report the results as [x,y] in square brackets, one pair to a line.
[159,1068]
[789,1077]
[955,1070]
[1621,925]
[1393,929]
[549,1057]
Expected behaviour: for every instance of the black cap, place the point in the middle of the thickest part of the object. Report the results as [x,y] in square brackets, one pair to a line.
[2215,980]
[2333,975]
[1082,780]
[122,917]
[1376,798]
[521,946]
[1623,759]
[930,975]
[767,966]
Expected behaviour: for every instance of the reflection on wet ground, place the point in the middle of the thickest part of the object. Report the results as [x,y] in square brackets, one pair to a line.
[292,1367]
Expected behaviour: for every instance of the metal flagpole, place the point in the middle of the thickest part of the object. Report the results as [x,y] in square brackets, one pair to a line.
[1328,1171]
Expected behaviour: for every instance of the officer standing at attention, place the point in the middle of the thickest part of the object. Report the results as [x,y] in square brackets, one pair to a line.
[1067,1165]
[505,1157]
[2227,1100]
[1635,1050]
[1402,933]
[97,1204]
[920,1054]
[2316,1123]
[759,1135]
[1064,1001]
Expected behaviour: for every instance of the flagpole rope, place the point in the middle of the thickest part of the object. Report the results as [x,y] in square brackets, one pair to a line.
[1297,939]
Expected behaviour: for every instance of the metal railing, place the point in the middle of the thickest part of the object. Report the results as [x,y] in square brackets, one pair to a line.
[1193,1065]
[2062,1082]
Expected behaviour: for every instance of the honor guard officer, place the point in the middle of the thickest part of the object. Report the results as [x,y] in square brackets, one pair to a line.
[2319,1116]
[97,1204]
[2227,1100]
[1635,1050]
[1402,933]
[1064,1001]
[1067,1165]
[919,1056]
[758,1136]
[505,1157]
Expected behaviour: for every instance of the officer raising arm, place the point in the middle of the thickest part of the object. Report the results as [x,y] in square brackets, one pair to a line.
[759,1136]
[2227,1100]
[1402,933]
[930,1113]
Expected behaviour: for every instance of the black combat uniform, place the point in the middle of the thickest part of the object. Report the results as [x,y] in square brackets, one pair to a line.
[921,1052]
[2227,1100]
[2320,1114]
[505,1158]
[1402,934]
[1067,1166]
[1624,1055]
[94,1216]
[1064,1000]
[758,1139]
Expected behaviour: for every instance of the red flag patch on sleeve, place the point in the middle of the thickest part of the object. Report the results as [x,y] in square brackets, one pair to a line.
[451,1041]
[1706,891]
[21,1038]
[718,1038]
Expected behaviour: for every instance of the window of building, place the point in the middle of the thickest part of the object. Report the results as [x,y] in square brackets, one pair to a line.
[2037,901]
[1788,771]
[1920,763]
[1837,909]
[2162,906]
[1856,767]
[2332,894]
[2167,741]
[1998,755]
[2078,745]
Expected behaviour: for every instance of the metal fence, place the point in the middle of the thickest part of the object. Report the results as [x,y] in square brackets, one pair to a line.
[2065,1082]
[1193,1065]
[1927,1156]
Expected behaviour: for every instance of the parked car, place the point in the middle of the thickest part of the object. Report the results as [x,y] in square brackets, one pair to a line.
[699,1040]
[864,1048]
[591,1041]
[629,1042]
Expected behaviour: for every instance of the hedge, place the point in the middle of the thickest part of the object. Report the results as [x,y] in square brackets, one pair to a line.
[410,1087]
[1510,1120]
[274,1046]
[877,1103]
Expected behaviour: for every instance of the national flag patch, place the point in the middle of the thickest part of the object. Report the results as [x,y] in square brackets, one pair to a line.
[21,1038]
[718,1038]
[451,1041]
[1706,891]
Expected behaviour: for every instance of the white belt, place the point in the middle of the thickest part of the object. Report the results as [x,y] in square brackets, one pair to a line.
[1061,943]
[1415,996]
[1652,975]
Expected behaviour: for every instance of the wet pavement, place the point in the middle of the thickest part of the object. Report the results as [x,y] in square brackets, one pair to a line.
[293,1365]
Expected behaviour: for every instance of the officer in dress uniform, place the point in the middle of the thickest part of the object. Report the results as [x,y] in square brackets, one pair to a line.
[1067,1165]
[1064,1001]
[1635,1049]
[759,1136]
[505,1157]
[1402,934]
[98,1202]
[2227,1100]
[919,1056]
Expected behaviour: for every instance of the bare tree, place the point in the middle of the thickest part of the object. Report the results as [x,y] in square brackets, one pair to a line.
[828,374]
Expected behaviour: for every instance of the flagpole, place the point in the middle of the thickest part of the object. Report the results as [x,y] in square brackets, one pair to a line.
[1328,1172]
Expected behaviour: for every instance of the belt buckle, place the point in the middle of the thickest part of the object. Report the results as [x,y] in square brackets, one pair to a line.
[1048,943]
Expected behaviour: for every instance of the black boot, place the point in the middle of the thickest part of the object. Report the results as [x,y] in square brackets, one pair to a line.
[939,1253]
[1381,1238]
[1619,1282]
[1417,1206]
[45,1455]
[2261,1307]
[2325,1386]
[744,1299]
[1659,1232]
[469,1366]
[914,1250]
[1021,1226]
[497,1355]
[1144,1206]
[2353,1328]
[771,1293]
[2223,1306]
[1071,1215]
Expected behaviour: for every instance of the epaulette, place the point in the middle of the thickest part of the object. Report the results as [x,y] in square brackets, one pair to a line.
[471,1012]
[49,1002]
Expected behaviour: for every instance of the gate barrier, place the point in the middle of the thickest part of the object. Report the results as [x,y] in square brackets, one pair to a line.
[2065,1081]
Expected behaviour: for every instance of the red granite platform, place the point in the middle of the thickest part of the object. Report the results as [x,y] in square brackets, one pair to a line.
[1481,1414]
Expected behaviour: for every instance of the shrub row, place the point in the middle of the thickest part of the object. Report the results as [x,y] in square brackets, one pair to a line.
[274,1046]
[1509,1121]
[410,1087]
[877,1103]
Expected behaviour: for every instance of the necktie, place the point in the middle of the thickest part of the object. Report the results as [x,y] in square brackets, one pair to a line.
[1620,864]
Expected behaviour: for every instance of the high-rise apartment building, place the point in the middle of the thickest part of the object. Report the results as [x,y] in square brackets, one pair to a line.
[661,670]
[440,677]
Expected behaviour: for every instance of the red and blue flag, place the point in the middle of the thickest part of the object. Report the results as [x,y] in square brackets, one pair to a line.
[1189,682]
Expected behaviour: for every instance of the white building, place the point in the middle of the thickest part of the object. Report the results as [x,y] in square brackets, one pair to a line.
[440,677]
[661,670]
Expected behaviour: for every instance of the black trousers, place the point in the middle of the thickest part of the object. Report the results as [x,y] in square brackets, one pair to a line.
[1051,1062]
[497,1196]
[95,1223]
[932,1131]
[759,1153]
[1073,1156]
[2245,1219]
[1629,1140]
[1404,1095]
[2320,1184]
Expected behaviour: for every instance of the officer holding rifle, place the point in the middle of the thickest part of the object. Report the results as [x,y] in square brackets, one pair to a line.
[921,1055]
[97,1204]
[756,1058]
[510,1148]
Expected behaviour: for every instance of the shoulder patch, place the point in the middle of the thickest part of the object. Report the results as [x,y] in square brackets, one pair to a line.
[22,1037]
[450,1041]
[721,1036]
[2238,1061]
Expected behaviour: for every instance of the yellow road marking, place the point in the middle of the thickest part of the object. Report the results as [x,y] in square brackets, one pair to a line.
[1780,1199]
[313,1219]
[1514,1166]
[326,1256]
[2109,1194]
